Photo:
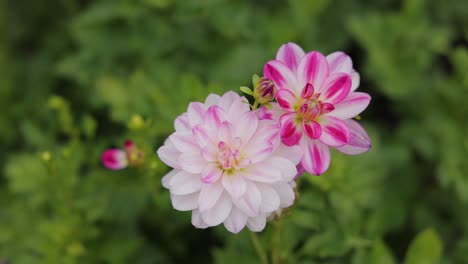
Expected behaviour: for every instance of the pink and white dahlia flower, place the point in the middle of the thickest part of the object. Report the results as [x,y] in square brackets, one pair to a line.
[228,166]
[317,100]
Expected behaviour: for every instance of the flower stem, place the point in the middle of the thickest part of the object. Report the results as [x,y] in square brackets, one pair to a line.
[258,247]
[275,253]
[255,105]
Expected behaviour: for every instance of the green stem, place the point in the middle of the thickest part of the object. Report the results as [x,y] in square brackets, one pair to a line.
[258,248]
[255,105]
[275,254]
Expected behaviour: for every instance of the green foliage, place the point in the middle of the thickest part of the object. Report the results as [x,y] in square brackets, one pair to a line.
[78,77]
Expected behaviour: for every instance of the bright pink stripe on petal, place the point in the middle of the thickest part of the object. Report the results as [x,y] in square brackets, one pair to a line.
[280,74]
[359,141]
[308,91]
[114,159]
[290,134]
[352,106]
[286,99]
[336,88]
[335,132]
[313,68]
[312,129]
[316,159]
[339,62]
[290,54]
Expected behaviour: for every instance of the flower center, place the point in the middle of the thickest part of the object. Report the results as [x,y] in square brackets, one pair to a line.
[311,109]
[229,154]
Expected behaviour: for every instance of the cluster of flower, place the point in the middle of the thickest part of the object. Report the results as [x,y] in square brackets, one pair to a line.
[236,163]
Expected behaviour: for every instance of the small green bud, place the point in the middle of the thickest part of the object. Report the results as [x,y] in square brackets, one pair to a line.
[136,122]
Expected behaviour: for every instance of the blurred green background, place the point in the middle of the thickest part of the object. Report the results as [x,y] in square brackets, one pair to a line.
[80,76]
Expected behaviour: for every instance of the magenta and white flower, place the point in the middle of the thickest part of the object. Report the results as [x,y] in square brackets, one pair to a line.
[228,165]
[117,159]
[317,98]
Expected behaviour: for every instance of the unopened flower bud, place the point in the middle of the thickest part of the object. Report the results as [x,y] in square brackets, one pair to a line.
[264,90]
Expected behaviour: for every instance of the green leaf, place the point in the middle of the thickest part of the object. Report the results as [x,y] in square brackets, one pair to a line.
[426,248]
[246,90]
[381,254]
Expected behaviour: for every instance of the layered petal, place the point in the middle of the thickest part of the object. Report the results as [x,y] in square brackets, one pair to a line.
[286,99]
[250,202]
[191,162]
[280,74]
[290,133]
[316,159]
[336,88]
[236,221]
[312,129]
[209,195]
[184,183]
[313,68]
[335,132]
[290,54]
[169,154]
[211,173]
[352,106]
[219,212]
[270,198]
[235,185]
[356,79]
[359,142]
[185,202]
[339,62]
[256,224]
[195,113]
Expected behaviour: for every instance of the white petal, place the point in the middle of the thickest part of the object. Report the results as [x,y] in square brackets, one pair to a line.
[270,198]
[197,221]
[250,202]
[166,179]
[236,221]
[256,224]
[234,184]
[286,194]
[219,212]
[209,195]
[184,202]
[185,183]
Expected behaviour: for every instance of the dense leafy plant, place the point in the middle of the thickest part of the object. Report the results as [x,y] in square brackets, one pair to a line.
[79,77]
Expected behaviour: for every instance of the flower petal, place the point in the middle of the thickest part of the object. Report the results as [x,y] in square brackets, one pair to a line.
[181,123]
[290,54]
[312,129]
[245,125]
[197,221]
[313,68]
[114,159]
[236,221]
[228,99]
[286,99]
[209,195]
[316,156]
[211,173]
[308,91]
[184,142]
[356,79]
[184,183]
[203,136]
[290,134]
[339,62]
[286,194]
[335,132]
[292,153]
[280,74]
[166,179]
[336,88]
[261,144]
[219,212]
[270,198]
[212,99]
[169,154]
[196,113]
[256,224]
[249,203]
[359,142]
[234,184]
[191,162]
[262,172]
[214,116]
[352,106]
[185,202]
